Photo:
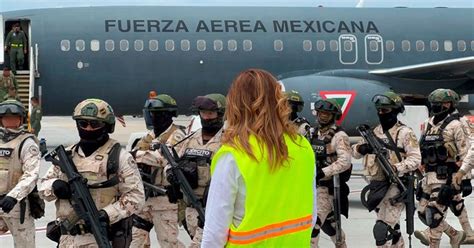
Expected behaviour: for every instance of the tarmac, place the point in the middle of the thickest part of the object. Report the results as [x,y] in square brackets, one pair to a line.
[358,228]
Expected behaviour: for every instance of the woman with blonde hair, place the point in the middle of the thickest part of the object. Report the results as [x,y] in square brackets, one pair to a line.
[262,190]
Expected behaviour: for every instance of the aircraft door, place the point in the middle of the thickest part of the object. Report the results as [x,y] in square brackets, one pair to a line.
[347,49]
[373,49]
[1,40]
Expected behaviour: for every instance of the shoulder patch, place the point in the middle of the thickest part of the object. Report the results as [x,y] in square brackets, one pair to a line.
[33,150]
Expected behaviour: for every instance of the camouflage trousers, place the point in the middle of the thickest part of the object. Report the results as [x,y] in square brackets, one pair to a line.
[194,230]
[325,207]
[390,215]
[435,233]
[78,241]
[23,234]
[164,216]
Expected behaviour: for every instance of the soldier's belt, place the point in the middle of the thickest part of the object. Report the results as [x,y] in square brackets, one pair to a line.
[16,45]
[79,229]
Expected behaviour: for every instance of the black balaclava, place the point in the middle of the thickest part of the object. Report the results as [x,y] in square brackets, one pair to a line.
[92,140]
[161,121]
[441,116]
[388,120]
[212,126]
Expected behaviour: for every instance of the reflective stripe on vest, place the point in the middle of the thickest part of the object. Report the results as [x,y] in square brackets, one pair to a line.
[270,231]
[16,45]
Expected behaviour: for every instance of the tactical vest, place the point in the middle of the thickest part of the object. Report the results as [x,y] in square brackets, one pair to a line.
[11,168]
[435,152]
[100,170]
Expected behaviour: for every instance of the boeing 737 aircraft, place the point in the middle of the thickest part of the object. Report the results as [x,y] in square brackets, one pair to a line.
[120,53]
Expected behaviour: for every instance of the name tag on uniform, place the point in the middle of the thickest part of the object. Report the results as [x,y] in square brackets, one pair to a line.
[432,138]
[6,152]
[193,152]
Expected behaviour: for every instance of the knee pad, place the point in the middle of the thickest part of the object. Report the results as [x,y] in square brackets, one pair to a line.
[455,205]
[328,227]
[430,214]
[315,232]
[141,223]
[397,234]
[382,233]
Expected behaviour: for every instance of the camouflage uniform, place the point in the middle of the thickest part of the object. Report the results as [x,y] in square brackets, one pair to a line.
[204,179]
[119,201]
[158,211]
[406,143]
[454,141]
[19,169]
[339,162]
[6,83]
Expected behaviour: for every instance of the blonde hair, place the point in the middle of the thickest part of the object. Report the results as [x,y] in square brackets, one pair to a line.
[257,106]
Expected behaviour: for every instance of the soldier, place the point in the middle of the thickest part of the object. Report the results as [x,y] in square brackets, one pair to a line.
[19,169]
[404,155]
[16,45]
[35,116]
[333,158]
[8,84]
[158,211]
[443,145]
[196,153]
[296,103]
[112,174]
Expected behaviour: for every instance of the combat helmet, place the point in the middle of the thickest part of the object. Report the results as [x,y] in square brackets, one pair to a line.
[213,102]
[13,107]
[389,99]
[162,102]
[95,109]
[295,99]
[329,105]
[440,96]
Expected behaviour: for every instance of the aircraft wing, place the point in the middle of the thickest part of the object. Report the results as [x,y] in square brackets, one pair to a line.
[439,70]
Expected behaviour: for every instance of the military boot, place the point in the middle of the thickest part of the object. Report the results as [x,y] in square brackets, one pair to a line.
[423,236]
[455,237]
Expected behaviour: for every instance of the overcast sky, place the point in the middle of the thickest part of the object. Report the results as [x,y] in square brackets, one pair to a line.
[6,5]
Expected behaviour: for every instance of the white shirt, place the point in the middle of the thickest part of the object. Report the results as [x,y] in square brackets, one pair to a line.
[226,202]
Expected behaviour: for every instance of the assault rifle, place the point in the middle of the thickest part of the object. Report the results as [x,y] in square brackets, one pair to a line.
[183,182]
[81,199]
[337,207]
[151,187]
[407,189]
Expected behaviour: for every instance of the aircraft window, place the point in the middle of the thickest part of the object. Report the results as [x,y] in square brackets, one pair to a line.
[124,45]
[347,45]
[138,45]
[65,45]
[461,45]
[278,45]
[95,45]
[201,45]
[434,45]
[232,45]
[109,45]
[390,45]
[472,45]
[448,45]
[247,45]
[169,45]
[185,45]
[373,46]
[153,45]
[307,45]
[80,45]
[406,45]
[333,46]
[321,45]
[218,45]
[420,45]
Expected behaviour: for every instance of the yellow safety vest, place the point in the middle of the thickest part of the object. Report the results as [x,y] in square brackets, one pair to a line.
[279,204]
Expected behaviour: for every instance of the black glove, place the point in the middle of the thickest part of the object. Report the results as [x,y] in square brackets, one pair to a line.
[364,149]
[174,193]
[104,217]
[61,189]
[319,173]
[8,203]
[172,179]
